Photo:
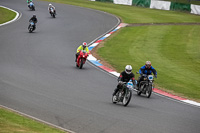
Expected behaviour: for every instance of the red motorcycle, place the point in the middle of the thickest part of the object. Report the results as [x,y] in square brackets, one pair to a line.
[81,58]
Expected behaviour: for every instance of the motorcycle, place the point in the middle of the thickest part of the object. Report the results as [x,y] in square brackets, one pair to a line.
[146,86]
[124,94]
[31,26]
[31,6]
[81,59]
[52,12]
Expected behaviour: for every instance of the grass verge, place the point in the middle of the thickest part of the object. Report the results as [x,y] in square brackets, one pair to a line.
[196,2]
[132,14]
[11,122]
[173,50]
[6,15]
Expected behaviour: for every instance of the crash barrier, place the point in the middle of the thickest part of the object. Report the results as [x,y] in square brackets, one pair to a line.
[156,4]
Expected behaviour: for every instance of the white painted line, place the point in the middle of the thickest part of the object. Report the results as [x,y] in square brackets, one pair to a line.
[118,27]
[191,102]
[38,119]
[107,35]
[94,45]
[16,17]
[91,57]
[115,73]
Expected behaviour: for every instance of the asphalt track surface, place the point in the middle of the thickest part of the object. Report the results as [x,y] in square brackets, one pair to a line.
[38,77]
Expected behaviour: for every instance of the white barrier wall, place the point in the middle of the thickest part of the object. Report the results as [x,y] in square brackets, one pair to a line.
[123,2]
[156,4]
[163,5]
[195,9]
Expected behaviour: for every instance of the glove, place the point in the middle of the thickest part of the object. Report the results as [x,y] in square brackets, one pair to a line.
[120,82]
[155,76]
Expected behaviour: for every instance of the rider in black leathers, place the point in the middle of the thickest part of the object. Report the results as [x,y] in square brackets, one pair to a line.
[125,76]
[34,20]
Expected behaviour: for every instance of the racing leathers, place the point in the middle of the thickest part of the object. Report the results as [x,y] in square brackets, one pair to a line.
[34,20]
[147,71]
[28,2]
[124,77]
[80,48]
[49,8]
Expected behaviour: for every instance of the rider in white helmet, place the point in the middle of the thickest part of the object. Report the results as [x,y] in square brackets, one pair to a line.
[125,76]
[51,6]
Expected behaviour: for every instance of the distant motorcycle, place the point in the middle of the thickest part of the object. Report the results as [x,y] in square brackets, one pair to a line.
[52,12]
[124,94]
[146,86]
[31,26]
[81,59]
[31,6]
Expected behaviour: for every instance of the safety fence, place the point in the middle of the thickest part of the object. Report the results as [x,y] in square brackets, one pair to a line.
[156,4]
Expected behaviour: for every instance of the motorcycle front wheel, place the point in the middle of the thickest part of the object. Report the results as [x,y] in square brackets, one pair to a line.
[30,29]
[149,91]
[127,98]
[81,63]
[54,15]
[114,99]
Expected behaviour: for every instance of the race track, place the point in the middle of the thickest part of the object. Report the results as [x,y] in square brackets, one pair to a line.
[38,77]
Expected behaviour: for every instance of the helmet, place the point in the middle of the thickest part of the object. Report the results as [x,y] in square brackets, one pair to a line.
[148,64]
[128,69]
[34,15]
[50,4]
[84,44]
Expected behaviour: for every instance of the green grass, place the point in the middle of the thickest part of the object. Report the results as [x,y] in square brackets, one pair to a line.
[14,123]
[173,50]
[6,15]
[132,14]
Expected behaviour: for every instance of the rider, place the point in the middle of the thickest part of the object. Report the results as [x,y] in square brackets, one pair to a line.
[34,20]
[82,47]
[51,6]
[28,2]
[146,69]
[125,76]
